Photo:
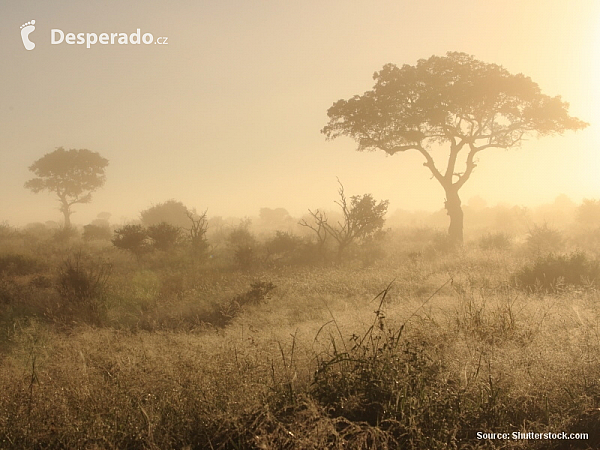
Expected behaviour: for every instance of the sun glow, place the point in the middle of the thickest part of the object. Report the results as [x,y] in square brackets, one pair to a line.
[590,180]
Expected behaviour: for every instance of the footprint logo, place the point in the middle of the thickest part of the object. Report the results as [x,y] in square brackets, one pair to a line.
[26,30]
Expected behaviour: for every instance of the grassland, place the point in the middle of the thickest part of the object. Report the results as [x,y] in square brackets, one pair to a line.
[416,350]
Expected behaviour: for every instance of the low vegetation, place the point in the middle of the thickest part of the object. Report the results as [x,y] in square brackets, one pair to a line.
[294,349]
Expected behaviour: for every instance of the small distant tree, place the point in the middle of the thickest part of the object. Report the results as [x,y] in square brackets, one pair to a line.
[133,238]
[587,230]
[588,213]
[197,234]
[172,212]
[276,218]
[362,217]
[243,243]
[71,174]
[318,219]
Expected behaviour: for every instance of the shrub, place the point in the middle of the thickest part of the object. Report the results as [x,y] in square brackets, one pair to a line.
[80,281]
[19,265]
[64,234]
[255,295]
[495,241]
[589,239]
[372,248]
[283,243]
[93,232]
[133,238]
[440,244]
[543,239]
[391,382]
[41,282]
[7,232]
[243,243]
[164,236]
[81,284]
[287,248]
[551,272]
[244,257]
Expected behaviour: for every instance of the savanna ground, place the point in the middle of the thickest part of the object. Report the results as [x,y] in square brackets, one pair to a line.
[419,347]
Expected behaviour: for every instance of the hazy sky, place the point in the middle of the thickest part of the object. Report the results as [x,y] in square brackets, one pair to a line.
[227,115]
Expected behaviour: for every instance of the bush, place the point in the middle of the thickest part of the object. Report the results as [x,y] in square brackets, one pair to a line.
[283,243]
[164,236]
[588,239]
[440,244]
[244,257]
[372,248]
[543,240]
[93,232]
[80,281]
[243,243]
[133,238]
[551,272]
[495,241]
[254,296]
[388,381]
[64,234]
[7,232]
[19,265]
[81,285]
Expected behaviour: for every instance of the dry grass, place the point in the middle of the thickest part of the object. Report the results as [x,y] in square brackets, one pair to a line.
[320,362]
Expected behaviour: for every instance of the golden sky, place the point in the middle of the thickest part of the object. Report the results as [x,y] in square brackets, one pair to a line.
[227,116]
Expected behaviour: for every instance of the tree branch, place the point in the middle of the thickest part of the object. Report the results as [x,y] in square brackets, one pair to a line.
[462,179]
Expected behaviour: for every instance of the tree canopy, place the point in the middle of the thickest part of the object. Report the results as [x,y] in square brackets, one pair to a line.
[71,174]
[453,101]
[172,212]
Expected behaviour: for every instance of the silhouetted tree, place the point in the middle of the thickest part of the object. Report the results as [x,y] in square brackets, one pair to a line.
[243,243]
[71,174]
[172,212]
[454,101]
[197,234]
[362,217]
[277,218]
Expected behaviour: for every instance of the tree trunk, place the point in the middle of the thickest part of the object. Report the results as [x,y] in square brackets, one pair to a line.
[454,210]
[66,210]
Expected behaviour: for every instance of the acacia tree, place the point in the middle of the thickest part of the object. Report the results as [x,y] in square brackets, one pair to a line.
[71,174]
[454,102]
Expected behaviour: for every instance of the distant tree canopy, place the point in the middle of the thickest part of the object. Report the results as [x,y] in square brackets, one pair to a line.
[172,212]
[71,174]
[277,217]
[453,101]
[588,213]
